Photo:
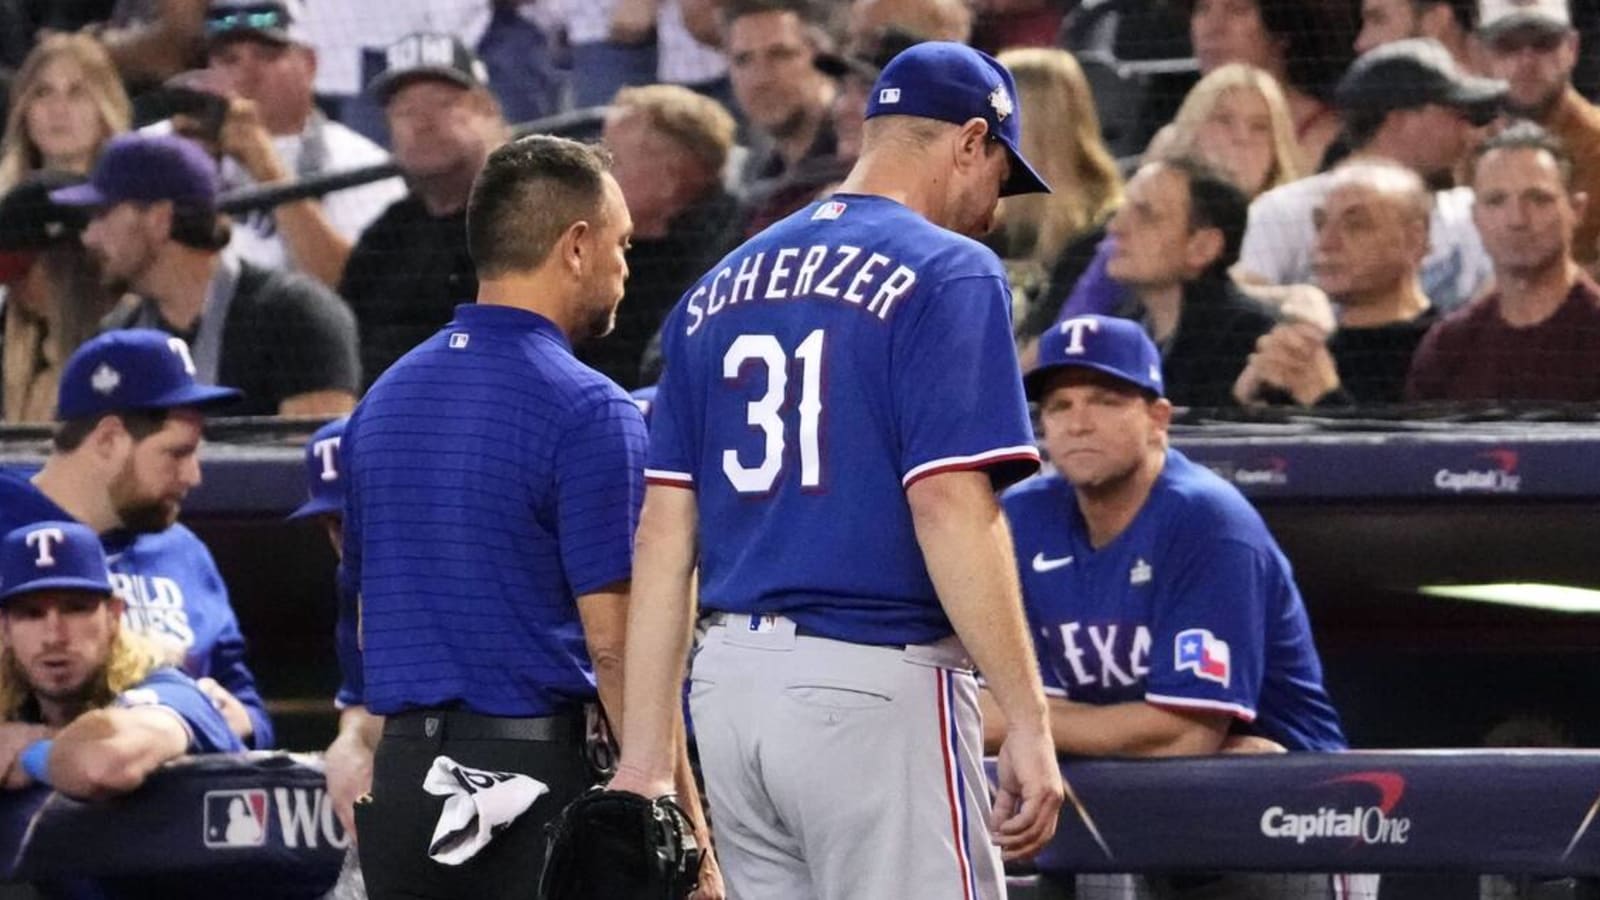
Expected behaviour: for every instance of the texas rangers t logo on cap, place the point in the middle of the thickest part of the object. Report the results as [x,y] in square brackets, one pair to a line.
[327,450]
[44,540]
[1074,330]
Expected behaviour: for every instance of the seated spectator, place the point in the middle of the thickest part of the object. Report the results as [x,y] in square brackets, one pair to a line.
[115,709]
[1061,136]
[1294,41]
[153,40]
[1372,233]
[53,299]
[1174,239]
[1533,46]
[1450,22]
[1407,102]
[771,47]
[1533,337]
[273,132]
[1235,120]
[125,454]
[286,340]
[668,145]
[935,20]
[66,102]
[410,267]
[855,73]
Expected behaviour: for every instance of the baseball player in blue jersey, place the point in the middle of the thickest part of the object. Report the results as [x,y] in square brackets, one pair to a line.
[124,455]
[1166,620]
[348,760]
[840,402]
[492,490]
[104,710]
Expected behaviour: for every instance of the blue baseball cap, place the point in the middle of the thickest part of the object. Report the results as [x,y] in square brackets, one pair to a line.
[1118,347]
[133,368]
[140,168]
[953,83]
[324,473]
[63,556]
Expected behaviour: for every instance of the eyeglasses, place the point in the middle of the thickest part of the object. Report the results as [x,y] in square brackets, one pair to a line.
[267,19]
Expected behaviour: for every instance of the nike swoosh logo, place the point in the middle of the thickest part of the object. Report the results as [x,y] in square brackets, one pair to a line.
[1040,564]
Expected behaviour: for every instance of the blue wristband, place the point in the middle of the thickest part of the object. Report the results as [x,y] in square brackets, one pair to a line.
[35,759]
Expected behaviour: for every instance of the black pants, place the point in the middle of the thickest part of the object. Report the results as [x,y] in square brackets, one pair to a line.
[395,828]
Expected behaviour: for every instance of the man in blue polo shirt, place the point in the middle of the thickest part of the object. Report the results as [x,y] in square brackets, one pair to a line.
[125,453]
[493,485]
[74,672]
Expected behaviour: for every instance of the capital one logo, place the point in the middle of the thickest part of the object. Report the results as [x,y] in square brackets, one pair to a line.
[1371,823]
[327,450]
[1074,329]
[44,541]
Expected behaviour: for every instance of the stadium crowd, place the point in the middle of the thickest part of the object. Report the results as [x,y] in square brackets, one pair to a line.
[1315,204]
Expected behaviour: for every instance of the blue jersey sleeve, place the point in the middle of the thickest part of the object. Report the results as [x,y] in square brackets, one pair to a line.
[230,670]
[177,693]
[347,643]
[672,451]
[1208,632]
[958,398]
[599,489]
[349,572]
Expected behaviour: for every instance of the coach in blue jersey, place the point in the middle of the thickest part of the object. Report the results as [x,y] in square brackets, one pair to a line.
[104,709]
[493,487]
[124,455]
[840,401]
[1165,616]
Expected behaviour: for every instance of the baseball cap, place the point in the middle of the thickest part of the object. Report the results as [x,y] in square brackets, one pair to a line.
[1414,72]
[143,168]
[52,556]
[268,20]
[30,222]
[427,55]
[1118,347]
[1499,16]
[133,368]
[324,473]
[953,83]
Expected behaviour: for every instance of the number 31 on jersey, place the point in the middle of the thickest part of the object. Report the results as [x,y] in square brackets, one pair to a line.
[765,412]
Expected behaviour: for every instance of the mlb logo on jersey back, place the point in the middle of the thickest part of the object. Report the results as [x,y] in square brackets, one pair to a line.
[235,818]
[459,340]
[1207,656]
[829,211]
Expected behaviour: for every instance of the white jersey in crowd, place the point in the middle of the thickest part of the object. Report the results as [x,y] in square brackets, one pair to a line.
[1279,240]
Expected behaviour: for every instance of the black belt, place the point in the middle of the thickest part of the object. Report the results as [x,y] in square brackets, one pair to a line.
[461,725]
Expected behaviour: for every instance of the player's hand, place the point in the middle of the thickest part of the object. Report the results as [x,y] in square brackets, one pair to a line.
[237,717]
[347,765]
[14,737]
[1029,794]
[634,781]
[710,885]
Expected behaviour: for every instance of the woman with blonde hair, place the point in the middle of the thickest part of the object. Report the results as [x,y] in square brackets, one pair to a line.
[1061,137]
[66,102]
[1236,119]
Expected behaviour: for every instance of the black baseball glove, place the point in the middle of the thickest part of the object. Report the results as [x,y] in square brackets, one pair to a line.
[621,846]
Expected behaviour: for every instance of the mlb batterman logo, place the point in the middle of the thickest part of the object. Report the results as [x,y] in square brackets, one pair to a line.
[235,818]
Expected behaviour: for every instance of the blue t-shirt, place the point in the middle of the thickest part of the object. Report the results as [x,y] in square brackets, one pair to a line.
[171,592]
[1193,606]
[175,691]
[492,480]
[811,377]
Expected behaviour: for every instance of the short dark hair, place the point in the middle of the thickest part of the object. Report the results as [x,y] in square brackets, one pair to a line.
[1465,11]
[202,229]
[139,423]
[529,193]
[1525,135]
[1361,125]
[1316,37]
[737,9]
[1214,202]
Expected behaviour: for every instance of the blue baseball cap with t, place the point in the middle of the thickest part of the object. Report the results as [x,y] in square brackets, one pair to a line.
[141,168]
[1117,347]
[324,473]
[133,369]
[952,82]
[60,556]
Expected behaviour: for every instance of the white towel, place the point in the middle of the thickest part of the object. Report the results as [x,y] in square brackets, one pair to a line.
[479,805]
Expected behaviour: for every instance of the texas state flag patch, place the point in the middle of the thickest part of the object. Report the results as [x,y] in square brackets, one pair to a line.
[1197,650]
